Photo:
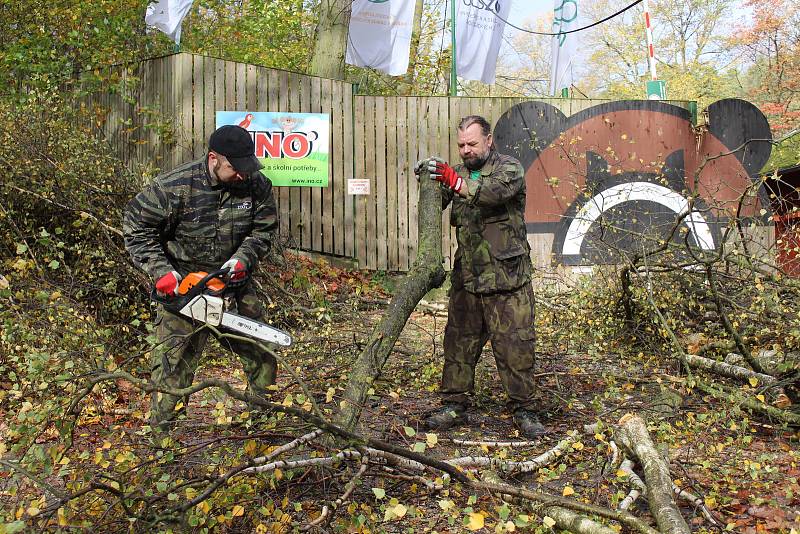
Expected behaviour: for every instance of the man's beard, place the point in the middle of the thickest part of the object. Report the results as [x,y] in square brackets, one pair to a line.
[476,163]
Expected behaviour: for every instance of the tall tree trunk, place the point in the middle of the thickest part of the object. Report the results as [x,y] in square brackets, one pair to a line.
[330,42]
[427,273]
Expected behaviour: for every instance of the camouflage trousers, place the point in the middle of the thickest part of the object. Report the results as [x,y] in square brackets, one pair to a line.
[507,319]
[176,354]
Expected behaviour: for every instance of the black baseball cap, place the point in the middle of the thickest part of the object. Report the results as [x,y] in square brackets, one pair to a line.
[235,143]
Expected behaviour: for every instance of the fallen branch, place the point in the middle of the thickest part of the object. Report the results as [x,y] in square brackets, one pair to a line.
[631,433]
[516,467]
[726,369]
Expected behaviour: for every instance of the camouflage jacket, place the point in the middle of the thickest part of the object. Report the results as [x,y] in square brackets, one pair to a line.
[493,252]
[186,221]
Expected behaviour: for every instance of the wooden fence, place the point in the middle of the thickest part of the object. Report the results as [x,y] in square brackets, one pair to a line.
[163,110]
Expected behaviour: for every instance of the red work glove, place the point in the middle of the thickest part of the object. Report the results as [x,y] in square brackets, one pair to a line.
[168,284]
[448,176]
[236,270]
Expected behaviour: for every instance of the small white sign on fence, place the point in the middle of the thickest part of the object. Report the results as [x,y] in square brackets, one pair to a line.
[357,186]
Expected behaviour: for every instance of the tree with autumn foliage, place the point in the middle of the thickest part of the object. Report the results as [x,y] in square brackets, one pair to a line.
[771,43]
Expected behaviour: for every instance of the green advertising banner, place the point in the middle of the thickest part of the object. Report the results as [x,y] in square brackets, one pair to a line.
[293,147]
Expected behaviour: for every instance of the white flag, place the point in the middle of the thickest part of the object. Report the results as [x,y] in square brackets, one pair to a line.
[479,33]
[380,35]
[565,46]
[167,15]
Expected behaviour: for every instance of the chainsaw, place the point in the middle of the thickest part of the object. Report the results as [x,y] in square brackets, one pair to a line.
[204,297]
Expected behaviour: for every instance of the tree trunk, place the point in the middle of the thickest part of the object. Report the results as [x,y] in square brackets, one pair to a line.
[632,433]
[427,273]
[330,41]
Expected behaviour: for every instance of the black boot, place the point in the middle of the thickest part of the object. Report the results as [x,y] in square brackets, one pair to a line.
[447,416]
[528,424]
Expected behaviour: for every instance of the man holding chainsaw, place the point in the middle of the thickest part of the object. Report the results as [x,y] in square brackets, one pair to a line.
[216,213]
[491,297]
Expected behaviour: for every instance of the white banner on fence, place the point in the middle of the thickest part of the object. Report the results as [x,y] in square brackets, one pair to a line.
[479,32]
[564,46]
[380,35]
[167,15]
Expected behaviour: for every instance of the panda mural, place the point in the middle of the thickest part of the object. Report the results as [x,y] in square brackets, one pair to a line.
[620,177]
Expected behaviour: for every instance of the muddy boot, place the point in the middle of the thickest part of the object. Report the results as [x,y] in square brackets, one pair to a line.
[528,424]
[447,416]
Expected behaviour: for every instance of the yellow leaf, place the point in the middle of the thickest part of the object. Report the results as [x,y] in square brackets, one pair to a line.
[753,381]
[250,447]
[399,511]
[64,461]
[622,474]
[62,518]
[431,439]
[548,521]
[237,511]
[329,394]
[475,521]
[221,519]
[191,493]
[710,501]
[577,446]
[203,507]
[510,526]
[278,474]
[567,491]
[761,398]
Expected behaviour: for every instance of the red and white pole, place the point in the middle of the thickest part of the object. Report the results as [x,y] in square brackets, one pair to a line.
[651,58]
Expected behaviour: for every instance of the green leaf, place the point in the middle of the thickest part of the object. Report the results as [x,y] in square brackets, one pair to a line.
[380,493]
[22,248]
[54,264]
[419,447]
[410,432]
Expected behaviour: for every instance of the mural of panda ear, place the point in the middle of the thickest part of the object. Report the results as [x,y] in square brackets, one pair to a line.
[734,122]
[527,129]
[596,171]
[674,170]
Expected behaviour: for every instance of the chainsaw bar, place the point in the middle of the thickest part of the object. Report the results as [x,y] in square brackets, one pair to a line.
[255,329]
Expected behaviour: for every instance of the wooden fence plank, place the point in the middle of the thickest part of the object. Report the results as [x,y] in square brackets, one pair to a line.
[418,142]
[390,126]
[304,209]
[349,170]
[313,210]
[240,103]
[209,85]
[370,172]
[252,88]
[326,193]
[336,191]
[359,160]
[280,102]
[230,86]
[295,222]
[404,175]
[198,109]
[184,109]
[380,173]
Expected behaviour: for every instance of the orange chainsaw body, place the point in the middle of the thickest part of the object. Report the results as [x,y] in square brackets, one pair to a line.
[191,280]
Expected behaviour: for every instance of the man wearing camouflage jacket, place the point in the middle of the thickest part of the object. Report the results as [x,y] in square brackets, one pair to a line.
[491,297]
[214,213]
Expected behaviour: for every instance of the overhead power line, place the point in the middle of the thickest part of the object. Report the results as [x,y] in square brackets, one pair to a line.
[621,11]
